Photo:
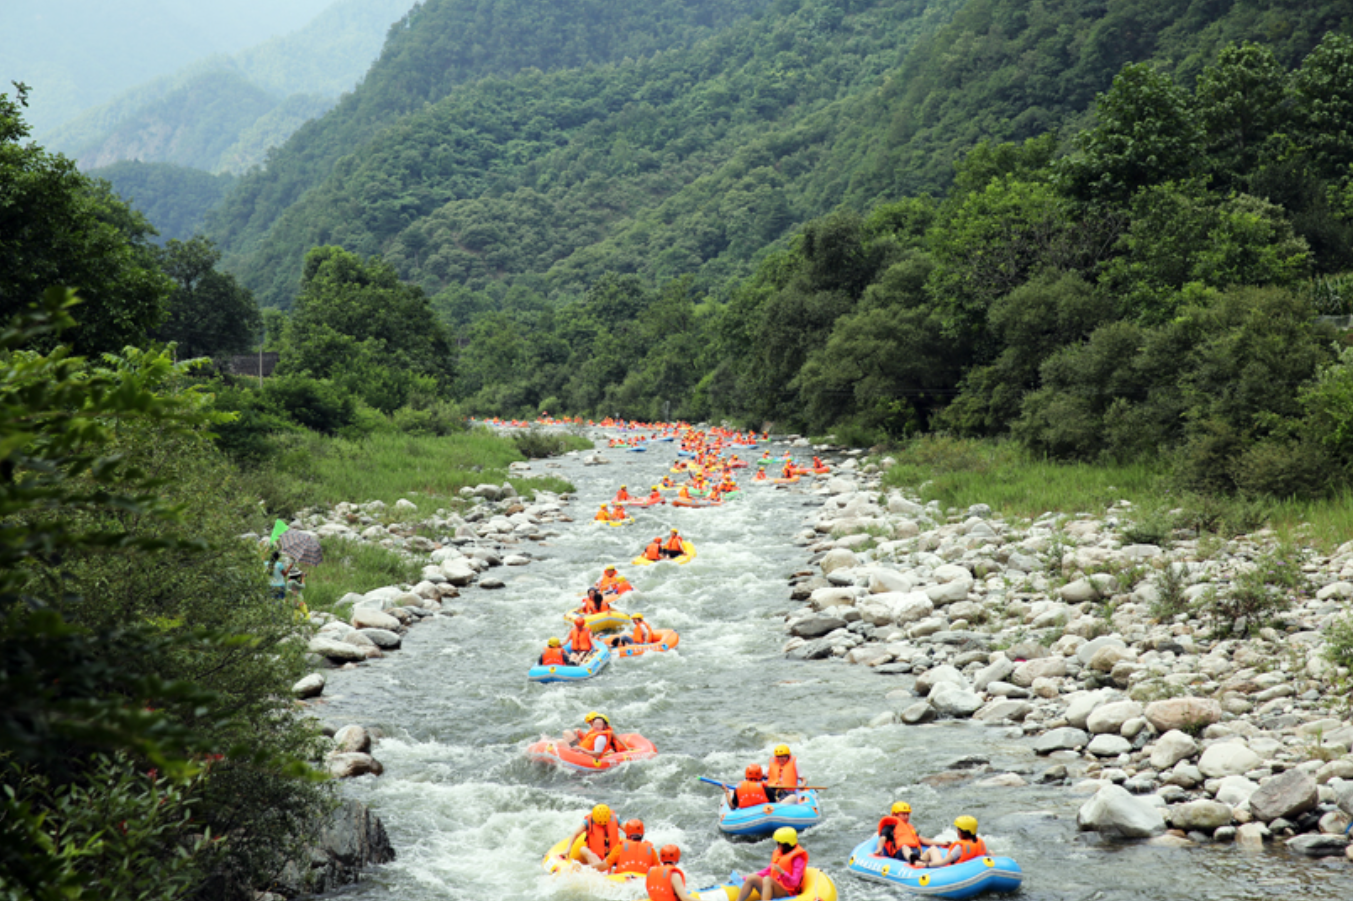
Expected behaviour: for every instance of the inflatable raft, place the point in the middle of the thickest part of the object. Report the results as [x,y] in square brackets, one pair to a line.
[556,751]
[687,557]
[601,622]
[817,886]
[961,880]
[564,857]
[666,640]
[694,502]
[641,502]
[585,670]
[763,819]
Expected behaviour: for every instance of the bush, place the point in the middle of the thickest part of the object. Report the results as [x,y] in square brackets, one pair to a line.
[317,404]
[1170,600]
[1284,470]
[1223,515]
[1258,595]
[535,443]
[1151,527]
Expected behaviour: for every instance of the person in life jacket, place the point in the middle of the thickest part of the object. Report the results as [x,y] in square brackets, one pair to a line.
[655,496]
[898,838]
[603,834]
[610,581]
[654,549]
[684,493]
[643,633]
[788,471]
[599,739]
[596,602]
[580,641]
[760,476]
[968,846]
[666,882]
[784,877]
[618,513]
[672,546]
[603,515]
[667,482]
[633,855]
[751,791]
[622,495]
[782,777]
[553,654]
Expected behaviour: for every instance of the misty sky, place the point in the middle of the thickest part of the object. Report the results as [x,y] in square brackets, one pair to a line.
[76,54]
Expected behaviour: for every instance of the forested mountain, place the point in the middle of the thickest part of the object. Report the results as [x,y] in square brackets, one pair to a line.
[694,161]
[174,198]
[78,54]
[223,113]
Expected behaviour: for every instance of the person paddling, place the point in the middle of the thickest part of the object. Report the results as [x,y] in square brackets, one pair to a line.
[751,791]
[672,548]
[784,877]
[666,882]
[782,777]
[642,634]
[654,549]
[633,854]
[553,655]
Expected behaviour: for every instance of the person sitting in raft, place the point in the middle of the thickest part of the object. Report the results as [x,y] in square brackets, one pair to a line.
[672,547]
[782,777]
[788,471]
[642,634]
[751,791]
[899,840]
[966,848]
[580,640]
[595,603]
[760,476]
[666,882]
[667,482]
[553,654]
[622,495]
[599,739]
[684,493]
[654,549]
[602,833]
[655,496]
[603,514]
[610,581]
[784,877]
[633,855]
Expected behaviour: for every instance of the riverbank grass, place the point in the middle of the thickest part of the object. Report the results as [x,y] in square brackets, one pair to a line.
[355,566]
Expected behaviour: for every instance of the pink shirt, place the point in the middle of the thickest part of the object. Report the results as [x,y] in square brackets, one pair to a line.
[796,870]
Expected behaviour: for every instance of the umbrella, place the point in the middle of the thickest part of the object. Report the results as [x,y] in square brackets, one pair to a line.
[303,547]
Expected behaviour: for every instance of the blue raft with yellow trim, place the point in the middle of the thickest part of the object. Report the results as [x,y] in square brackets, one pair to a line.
[957,881]
[763,819]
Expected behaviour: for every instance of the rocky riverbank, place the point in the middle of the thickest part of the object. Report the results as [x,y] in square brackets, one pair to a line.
[1102,652]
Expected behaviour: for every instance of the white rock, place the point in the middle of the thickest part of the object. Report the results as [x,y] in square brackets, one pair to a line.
[1108,745]
[1109,718]
[953,700]
[1114,811]
[938,674]
[1230,758]
[335,649]
[311,686]
[1025,673]
[1171,748]
[838,558]
[366,618]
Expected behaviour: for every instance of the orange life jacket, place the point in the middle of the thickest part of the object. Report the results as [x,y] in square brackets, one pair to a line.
[601,837]
[750,794]
[653,551]
[580,637]
[683,492]
[785,777]
[622,495]
[904,835]
[786,863]
[552,657]
[600,605]
[760,475]
[659,882]
[602,516]
[634,857]
[643,633]
[608,583]
[613,745]
[971,849]
[674,543]
[654,496]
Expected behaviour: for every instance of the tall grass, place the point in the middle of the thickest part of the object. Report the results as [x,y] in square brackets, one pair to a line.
[960,472]
[310,469]
[354,566]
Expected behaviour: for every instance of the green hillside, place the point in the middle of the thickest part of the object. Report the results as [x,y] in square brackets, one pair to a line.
[174,198]
[443,44]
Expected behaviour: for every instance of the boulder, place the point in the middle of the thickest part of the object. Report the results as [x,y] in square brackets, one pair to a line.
[459,571]
[1086,652]
[1184,714]
[1043,668]
[1078,591]
[1228,758]
[1235,790]
[1287,795]
[1114,811]
[352,738]
[366,618]
[1107,658]
[920,712]
[1171,748]
[1003,710]
[1316,845]
[384,639]
[1109,718]
[1202,814]
[882,581]
[838,558]
[1066,738]
[938,674]
[816,624]
[1252,836]
[908,607]
[312,686]
[992,672]
[1108,745]
[333,649]
[954,700]
[1082,703]
[351,765]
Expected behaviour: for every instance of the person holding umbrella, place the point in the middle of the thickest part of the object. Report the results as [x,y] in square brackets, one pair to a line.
[301,547]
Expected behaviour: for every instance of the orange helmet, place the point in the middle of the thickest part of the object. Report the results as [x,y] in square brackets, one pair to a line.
[754,772]
[579,621]
[669,854]
[633,829]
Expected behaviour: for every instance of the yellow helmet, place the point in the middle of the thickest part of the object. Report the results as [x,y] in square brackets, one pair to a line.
[554,642]
[966,823]
[655,488]
[596,716]
[601,814]
[603,506]
[610,569]
[786,835]
[782,750]
[901,807]
[674,531]
[636,616]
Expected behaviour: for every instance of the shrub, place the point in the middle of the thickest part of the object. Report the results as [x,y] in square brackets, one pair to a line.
[1169,584]
[1151,527]
[1284,470]
[535,443]
[1257,595]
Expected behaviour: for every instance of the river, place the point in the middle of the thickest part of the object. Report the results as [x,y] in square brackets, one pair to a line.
[471,817]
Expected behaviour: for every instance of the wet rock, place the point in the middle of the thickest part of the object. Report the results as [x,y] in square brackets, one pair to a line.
[953,700]
[1287,795]
[935,675]
[1316,845]
[349,765]
[1200,814]
[1114,811]
[366,618]
[334,649]
[459,571]
[384,639]
[920,712]
[816,624]
[1003,710]
[1067,738]
[1252,836]
[492,582]
[312,686]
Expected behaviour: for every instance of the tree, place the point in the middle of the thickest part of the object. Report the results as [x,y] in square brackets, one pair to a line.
[1241,102]
[59,228]
[209,312]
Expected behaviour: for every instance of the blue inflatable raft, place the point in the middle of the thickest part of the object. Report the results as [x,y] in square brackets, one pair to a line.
[961,880]
[763,819]
[637,448]
[586,670]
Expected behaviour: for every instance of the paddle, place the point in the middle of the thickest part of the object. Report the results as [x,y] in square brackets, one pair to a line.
[734,785]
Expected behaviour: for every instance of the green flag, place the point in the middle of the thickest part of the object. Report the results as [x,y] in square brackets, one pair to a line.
[278,528]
